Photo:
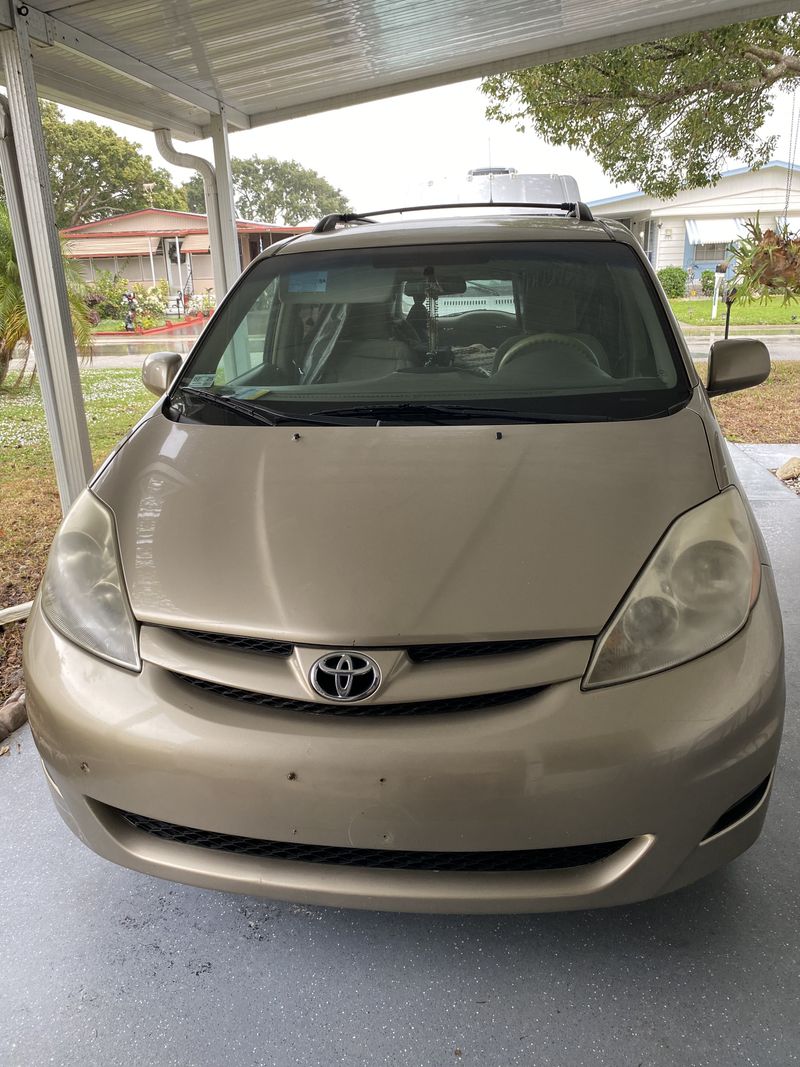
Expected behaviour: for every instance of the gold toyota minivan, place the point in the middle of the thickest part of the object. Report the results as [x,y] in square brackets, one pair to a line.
[427,584]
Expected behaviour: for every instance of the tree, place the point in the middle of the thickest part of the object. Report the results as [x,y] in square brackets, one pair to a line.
[273,190]
[664,116]
[95,173]
[14,328]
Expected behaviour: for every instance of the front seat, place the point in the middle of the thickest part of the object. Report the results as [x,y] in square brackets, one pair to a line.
[367,347]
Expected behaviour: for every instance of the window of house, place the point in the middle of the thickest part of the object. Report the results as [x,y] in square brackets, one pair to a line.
[714,252]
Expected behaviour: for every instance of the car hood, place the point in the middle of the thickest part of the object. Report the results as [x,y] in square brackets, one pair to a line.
[380,535]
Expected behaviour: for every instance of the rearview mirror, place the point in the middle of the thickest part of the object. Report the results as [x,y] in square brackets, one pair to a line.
[159,370]
[736,363]
[447,285]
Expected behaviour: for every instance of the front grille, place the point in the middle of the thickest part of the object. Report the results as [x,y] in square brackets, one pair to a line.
[241,644]
[417,653]
[427,653]
[418,707]
[537,859]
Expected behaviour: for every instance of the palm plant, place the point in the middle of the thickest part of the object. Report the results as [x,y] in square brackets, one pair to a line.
[15,334]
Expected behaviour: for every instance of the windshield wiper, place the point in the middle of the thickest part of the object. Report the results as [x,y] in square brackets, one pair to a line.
[410,411]
[253,414]
[430,412]
[265,416]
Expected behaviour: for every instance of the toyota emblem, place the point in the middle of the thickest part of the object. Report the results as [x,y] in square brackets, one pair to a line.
[345,676]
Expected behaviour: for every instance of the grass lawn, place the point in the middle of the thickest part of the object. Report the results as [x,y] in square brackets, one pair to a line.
[29,504]
[769,413]
[116,399]
[118,325]
[773,312]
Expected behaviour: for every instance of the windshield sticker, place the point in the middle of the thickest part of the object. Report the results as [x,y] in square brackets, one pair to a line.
[253,393]
[203,381]
[309,281]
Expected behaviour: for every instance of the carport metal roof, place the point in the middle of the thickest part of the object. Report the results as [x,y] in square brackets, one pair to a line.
[170,64]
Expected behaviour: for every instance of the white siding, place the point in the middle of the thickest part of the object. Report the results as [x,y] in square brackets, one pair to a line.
[149,221]
[744,195]
[671,243]
[202,272]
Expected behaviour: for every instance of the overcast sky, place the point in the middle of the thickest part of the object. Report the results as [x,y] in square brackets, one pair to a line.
[383,153]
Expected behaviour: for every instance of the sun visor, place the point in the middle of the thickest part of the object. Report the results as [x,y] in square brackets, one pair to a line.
[341,285]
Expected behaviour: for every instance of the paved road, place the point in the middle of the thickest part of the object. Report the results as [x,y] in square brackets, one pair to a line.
[130,352]
[781,346]
[100,966]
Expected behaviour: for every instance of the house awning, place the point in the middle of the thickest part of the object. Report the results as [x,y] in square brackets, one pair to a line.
[89,247]
[195,242]
[714,231]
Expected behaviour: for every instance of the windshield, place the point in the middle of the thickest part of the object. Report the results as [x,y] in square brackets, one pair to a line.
[569,329]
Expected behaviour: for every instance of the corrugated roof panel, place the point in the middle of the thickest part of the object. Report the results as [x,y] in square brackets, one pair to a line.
[73,79]
[288,57]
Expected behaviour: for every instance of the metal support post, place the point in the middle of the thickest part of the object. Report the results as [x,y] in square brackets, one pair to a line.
[237,358]
[227,211]
[26,179]
[152,262]
[222,232]
[178,261]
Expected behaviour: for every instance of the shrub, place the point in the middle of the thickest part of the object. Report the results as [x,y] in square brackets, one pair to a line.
[150,300]
[108,291]
[144,321]
[201,303]
[673,279]
[162,288]
[707,282]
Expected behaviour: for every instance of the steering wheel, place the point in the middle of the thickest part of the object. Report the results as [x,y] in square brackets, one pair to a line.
[521,346]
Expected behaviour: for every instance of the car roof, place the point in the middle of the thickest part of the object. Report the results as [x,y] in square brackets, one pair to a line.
[461,229]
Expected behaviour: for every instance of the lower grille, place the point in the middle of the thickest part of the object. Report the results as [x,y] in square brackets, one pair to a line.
[538,859]
[419,707]
[741,808]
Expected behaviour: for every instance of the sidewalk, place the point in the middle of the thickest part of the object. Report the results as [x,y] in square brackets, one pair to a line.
[781,345]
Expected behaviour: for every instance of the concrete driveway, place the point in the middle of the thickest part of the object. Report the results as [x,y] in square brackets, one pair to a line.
[102,966]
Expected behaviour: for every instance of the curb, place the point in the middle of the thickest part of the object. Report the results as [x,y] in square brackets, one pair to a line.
[166,328]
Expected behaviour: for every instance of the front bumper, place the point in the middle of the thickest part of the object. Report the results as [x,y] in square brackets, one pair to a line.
[654,762]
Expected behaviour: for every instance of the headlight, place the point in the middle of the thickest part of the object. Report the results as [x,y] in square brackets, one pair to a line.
[694,593]
[83,594]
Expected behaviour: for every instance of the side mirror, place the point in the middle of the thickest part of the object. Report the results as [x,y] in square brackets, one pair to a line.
[736,363]
[159,370]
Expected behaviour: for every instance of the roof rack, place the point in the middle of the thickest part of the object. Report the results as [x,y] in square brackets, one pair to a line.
[576,210]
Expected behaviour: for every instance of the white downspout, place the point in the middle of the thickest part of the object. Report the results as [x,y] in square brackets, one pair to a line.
[186,159]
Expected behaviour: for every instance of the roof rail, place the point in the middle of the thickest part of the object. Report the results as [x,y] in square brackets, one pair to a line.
[576,210]
[330,222]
